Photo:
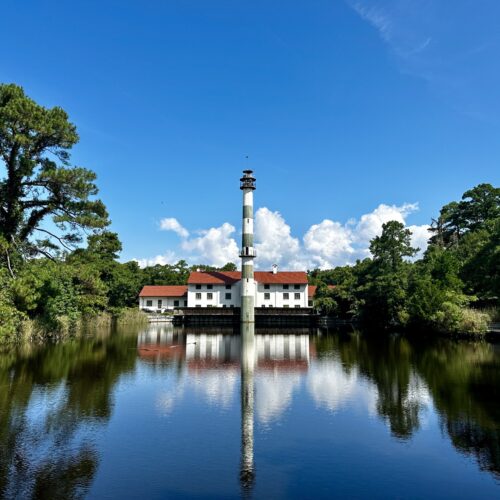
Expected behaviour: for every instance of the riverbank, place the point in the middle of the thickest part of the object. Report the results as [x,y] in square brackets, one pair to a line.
[37,330]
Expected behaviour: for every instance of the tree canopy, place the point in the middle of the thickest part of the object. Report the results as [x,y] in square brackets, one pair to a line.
[40,183]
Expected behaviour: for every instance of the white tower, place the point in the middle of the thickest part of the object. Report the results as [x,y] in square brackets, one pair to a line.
[247,185]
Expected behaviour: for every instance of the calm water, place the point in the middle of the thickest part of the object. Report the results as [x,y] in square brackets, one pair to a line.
[171,414]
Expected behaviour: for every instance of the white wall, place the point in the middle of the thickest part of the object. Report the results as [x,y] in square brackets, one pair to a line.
[277,296]
[167,303]
[218,296]
[218,292]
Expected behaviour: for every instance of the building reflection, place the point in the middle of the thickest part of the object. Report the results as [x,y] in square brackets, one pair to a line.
[283,356]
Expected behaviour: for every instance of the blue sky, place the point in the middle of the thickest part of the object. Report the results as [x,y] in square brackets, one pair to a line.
[351,112]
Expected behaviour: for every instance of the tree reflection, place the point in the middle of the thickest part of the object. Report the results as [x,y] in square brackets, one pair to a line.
[462,378]
[51,399]
[386,362]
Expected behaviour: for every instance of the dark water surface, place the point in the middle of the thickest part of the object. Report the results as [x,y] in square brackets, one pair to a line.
[175,414]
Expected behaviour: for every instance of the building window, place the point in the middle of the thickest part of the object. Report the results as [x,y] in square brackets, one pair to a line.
[285,287]
[198,296]
[297,287]
[286,306]
[297,306]
[198,287]
[267,296]
[160,304]
[228,296]
[210,296]
[149,303]
[185,303]
[198,305]
[176,303]
[231,305]
[228,287]
[209,287]
[310,303]
[286,296]
[297,296]
[266,287]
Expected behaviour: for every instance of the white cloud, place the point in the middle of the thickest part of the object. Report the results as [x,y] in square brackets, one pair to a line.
[328,242]
[169,257]
[214,246]
[274,242]
[419,237]
[370,225]
[172,224]
[325,245]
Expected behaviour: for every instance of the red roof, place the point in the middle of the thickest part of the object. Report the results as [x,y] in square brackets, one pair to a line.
[164,291]
[231,277]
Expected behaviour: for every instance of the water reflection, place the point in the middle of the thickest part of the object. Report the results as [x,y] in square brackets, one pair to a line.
[54,400]
[248,355]
[299,393]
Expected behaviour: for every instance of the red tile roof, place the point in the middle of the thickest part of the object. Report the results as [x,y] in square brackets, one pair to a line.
[164,291]
[214,277]
[264,277]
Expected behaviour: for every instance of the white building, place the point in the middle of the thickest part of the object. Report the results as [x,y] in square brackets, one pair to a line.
[285,289]
[162,298]
[273,289]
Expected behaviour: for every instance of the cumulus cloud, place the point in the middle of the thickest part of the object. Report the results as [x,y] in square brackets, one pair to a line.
[172,224]
[214,246]
[274,242]
[169,257]
[324,245]
[370,225]
[419,237]
[328,242]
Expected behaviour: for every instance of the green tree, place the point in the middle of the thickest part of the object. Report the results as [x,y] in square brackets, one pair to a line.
[40,183]
[392,245]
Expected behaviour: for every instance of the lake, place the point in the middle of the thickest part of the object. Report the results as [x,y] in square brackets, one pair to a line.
[171,413]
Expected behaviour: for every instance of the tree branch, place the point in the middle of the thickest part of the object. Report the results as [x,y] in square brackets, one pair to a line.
[9,265]
[61,241]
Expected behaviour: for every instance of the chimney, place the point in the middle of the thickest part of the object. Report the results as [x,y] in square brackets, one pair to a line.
[275,268]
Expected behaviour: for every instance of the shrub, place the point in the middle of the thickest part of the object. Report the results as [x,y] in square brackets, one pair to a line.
[454,319]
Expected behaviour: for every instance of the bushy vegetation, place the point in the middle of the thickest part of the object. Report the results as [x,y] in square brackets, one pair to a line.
[453,289]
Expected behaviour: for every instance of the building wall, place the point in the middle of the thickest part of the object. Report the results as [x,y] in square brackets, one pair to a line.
[218,296]
[277,294]
[167,303]
[276,297]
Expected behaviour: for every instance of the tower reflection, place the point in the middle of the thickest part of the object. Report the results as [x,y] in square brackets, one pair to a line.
[247,467]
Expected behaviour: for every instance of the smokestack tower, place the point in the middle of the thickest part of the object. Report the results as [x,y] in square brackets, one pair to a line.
[247,185]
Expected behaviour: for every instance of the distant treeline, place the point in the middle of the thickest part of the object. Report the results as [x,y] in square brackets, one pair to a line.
[58,260]
[454,288]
